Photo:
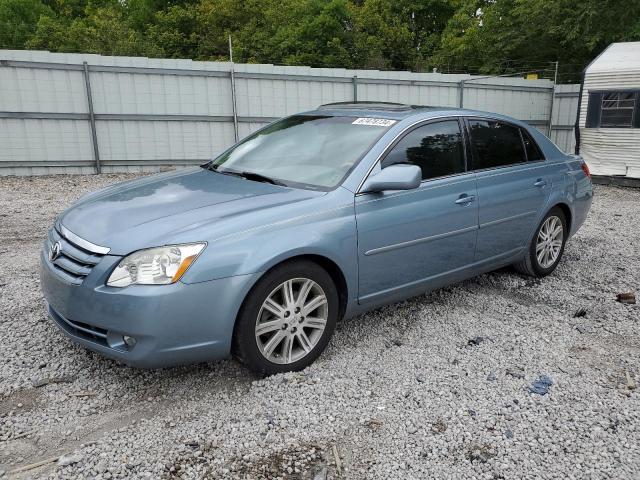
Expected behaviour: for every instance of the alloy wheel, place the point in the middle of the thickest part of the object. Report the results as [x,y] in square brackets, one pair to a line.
[549,241]
[291,320]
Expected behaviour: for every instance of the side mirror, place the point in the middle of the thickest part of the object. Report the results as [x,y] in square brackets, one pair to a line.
[394,177]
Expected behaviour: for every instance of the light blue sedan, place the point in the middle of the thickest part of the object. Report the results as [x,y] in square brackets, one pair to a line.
[317,217]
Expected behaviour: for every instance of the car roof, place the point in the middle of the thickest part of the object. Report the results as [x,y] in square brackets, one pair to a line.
[398,111]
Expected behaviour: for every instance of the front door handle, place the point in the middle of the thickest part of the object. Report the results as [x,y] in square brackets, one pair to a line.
[540,183]
[465,199]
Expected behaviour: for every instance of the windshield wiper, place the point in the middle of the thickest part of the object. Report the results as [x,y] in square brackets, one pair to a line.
[216,168]
[213,167]
[261,178]
[257,177]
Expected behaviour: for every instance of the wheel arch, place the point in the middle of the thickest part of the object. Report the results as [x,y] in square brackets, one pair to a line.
[328,264]
[334,270]
[568,215]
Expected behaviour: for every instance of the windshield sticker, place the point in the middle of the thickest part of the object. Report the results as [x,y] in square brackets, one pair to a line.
[374,122]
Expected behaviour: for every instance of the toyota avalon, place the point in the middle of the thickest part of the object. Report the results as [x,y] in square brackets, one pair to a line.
[316,217]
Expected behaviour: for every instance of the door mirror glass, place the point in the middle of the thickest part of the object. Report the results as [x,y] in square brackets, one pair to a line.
[394,177]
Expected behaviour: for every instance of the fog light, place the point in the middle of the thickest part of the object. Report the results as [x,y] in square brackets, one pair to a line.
[129,341]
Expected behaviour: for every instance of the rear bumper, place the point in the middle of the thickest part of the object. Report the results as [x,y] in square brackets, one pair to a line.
[171,324]
[581,204]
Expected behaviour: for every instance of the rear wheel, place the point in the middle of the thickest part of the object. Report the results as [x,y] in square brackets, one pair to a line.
[287,319]
[547,245]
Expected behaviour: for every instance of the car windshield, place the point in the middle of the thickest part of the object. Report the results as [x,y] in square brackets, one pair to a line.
[313,151]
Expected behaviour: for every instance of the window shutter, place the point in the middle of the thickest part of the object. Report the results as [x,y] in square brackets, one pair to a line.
[636,115]
[594,107]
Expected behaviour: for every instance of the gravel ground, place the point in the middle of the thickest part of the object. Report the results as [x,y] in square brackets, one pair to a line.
[433,387]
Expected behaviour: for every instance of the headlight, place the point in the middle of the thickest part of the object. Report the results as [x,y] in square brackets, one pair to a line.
[155,266]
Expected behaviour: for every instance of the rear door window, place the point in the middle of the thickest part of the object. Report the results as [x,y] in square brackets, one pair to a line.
[496,144]
[437,148]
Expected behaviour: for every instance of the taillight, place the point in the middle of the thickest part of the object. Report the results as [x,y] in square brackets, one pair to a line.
[585,169]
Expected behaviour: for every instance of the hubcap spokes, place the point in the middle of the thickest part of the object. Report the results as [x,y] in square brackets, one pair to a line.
[291,320]
[549,242]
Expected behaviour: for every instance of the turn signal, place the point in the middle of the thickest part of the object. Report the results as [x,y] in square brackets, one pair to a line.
[186,263]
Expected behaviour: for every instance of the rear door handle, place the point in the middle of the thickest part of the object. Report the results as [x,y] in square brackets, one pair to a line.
[540,183]
[465,199]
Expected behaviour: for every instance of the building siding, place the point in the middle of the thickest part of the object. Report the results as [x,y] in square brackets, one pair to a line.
[610,151]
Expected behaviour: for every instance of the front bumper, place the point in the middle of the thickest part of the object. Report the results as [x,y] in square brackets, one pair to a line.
[172,324]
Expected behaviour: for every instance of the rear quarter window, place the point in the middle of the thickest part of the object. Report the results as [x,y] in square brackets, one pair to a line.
[533,150]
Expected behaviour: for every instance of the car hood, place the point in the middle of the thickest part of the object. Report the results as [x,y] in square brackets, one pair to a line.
[171,208]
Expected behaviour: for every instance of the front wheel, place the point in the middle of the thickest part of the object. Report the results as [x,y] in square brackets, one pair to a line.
[287,319]
[547,245]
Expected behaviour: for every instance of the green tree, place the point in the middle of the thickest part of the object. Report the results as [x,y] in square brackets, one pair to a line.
[174,33]
[295,32]
[216,19]
[400,34]
[103,30]
[487,36]
[19,20]
[508,35]
[141,14]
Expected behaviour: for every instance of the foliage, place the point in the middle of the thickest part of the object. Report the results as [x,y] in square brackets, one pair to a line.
[18,21]
[510,35]
[102,30]
[477,36]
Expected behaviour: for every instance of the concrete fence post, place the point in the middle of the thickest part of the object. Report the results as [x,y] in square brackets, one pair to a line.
[92,117]
[234,104]
[551,110]
[461,93]
[355,88]
[553,100]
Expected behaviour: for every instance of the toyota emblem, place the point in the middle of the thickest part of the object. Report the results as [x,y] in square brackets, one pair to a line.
[54,251]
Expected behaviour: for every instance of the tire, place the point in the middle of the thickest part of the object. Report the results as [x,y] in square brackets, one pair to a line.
[291,336]
[531,264]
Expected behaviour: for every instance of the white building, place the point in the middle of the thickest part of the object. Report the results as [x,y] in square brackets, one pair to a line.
[609,116]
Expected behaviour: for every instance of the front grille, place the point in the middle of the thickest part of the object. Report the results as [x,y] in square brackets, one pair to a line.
[73,263]
[79,329]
